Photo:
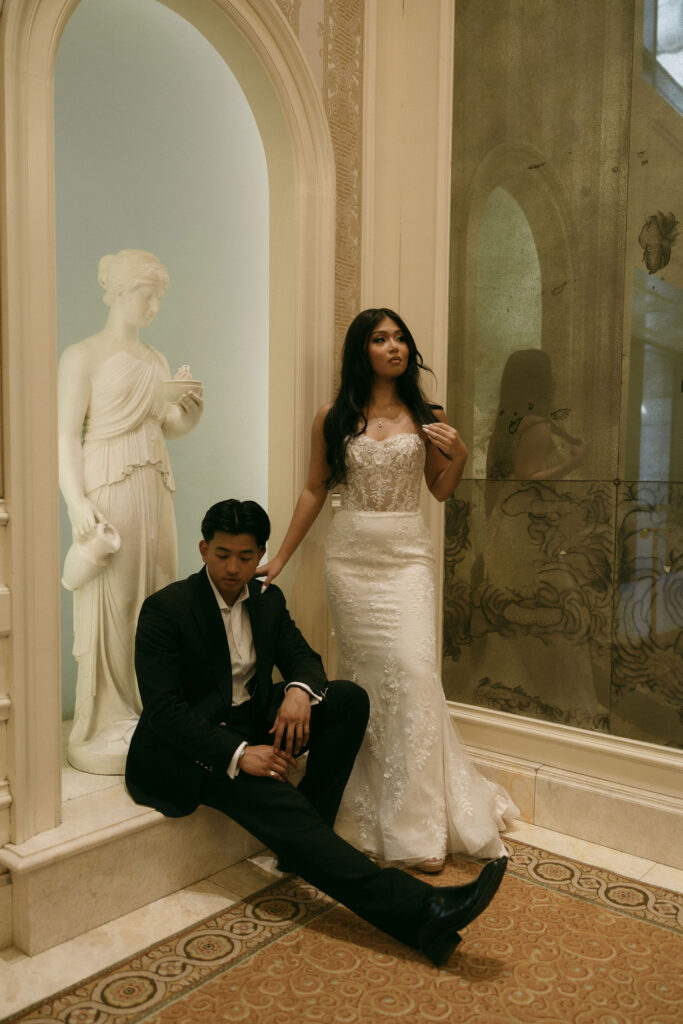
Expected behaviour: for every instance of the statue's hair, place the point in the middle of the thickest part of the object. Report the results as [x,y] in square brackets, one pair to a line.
[128,269]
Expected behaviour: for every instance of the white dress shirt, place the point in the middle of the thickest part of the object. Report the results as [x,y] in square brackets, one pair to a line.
[243,656]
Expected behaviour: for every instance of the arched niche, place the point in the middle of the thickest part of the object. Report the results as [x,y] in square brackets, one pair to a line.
[257,43]
[522,172]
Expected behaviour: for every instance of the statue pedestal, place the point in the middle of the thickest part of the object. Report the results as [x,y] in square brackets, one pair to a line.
[106,753]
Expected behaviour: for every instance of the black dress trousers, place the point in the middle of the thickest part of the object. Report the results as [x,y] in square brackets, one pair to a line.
[296,823]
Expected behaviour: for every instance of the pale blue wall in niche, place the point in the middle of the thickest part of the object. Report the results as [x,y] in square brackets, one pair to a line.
[157,148]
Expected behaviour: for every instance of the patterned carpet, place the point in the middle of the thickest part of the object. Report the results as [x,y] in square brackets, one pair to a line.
[562,943]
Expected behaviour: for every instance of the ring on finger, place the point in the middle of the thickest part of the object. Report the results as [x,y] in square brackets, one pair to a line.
[272,773]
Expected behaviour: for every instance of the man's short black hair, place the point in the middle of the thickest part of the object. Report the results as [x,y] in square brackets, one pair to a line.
[233,516]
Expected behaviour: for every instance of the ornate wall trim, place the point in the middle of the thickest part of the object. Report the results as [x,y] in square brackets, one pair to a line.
[342,95]
[644,766]
[290,9]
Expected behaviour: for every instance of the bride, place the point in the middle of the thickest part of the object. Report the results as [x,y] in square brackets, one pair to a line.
[414,795]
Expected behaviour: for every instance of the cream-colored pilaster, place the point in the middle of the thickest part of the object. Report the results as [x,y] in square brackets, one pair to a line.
[407,90]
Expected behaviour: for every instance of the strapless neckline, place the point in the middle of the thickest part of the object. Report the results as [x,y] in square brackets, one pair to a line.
[392,437]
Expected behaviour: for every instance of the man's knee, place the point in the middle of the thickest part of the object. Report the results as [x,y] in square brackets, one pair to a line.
[350,696]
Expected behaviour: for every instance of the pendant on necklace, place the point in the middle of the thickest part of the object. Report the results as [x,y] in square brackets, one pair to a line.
[379,423]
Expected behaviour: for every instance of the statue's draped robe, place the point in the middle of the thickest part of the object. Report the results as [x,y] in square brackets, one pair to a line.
[128,476]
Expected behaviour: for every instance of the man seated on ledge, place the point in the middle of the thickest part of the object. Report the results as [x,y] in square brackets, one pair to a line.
[216,730]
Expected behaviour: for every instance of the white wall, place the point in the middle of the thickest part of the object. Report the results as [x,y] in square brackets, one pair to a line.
[157,148]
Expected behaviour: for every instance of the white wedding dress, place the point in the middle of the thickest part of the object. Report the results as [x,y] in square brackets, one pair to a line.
[414,792]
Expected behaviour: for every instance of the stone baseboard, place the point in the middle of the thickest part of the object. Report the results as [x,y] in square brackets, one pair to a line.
[621,817]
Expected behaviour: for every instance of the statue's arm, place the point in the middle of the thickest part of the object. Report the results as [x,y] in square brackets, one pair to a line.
[183,416]
[73,388]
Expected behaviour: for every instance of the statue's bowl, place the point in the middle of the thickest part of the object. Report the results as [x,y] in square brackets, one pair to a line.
[173,390]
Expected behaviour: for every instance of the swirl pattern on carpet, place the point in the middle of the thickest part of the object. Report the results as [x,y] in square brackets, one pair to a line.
[562,943]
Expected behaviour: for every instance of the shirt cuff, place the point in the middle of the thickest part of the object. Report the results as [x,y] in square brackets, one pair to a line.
[233,770]
[315,698]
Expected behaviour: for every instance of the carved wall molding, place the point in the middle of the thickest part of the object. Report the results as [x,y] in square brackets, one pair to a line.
[342,95]
[290,9]
[645,766]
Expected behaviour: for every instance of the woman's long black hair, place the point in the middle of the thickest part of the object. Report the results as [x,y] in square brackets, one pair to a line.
[346,417]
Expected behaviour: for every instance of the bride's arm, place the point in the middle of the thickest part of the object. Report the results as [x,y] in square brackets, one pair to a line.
[311,500]
[446,457]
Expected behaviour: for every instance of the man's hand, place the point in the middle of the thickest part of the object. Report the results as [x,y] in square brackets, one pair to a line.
[292,721]
[265,761]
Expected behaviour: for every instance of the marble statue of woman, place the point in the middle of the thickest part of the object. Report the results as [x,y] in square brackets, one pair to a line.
[114,469]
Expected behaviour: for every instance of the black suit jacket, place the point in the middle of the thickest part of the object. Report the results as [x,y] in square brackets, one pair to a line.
[183,667]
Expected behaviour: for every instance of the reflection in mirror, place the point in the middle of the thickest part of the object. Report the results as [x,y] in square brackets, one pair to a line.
[508,308]
[654,441]
[563,567]
[663,49]
[528,441]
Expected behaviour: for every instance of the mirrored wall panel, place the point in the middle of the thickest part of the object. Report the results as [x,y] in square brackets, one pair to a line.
[563,596]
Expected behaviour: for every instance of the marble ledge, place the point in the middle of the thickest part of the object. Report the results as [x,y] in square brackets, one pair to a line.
[88,822]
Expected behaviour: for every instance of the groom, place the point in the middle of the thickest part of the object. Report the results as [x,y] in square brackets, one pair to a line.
[216,730]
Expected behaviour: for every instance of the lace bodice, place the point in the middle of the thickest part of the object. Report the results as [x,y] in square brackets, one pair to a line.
[383,476]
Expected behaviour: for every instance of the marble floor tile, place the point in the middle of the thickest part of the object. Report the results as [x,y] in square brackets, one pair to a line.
[579,849]
[248,876]
[25,979]
[669,878]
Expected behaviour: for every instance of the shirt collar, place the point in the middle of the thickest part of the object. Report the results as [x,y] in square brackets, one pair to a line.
[222,603]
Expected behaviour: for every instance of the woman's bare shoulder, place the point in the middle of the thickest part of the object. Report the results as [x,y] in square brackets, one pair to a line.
[321,415]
